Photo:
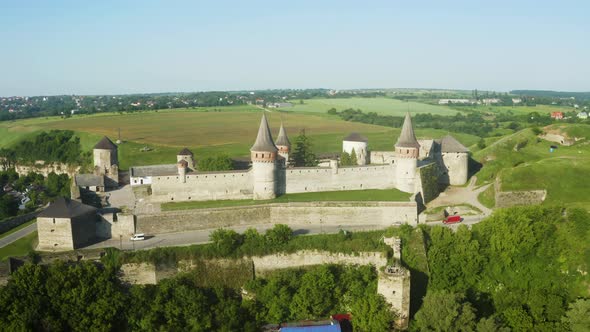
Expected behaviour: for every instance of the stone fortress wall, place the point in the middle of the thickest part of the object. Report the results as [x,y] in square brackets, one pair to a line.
[304,213]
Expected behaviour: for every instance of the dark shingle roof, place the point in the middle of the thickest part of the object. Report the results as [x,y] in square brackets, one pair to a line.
[89,180]
[264,140]
[105,144]
[153,170]
[282,139]
[355,137]
[450,144]
[185,152]
[407,138]
[66,208]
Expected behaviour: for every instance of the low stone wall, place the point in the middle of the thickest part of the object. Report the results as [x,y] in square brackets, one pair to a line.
[265,264]
[11,223]
[513,198]
[327,213]
[42,168]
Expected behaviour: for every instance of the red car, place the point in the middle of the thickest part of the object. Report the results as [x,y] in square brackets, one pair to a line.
[452,219]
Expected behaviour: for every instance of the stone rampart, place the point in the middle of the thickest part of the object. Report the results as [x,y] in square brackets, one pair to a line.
[41,167]
[513,198]
[265,264]
[327,213]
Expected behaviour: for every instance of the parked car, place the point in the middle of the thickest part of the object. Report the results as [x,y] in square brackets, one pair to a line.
[138,237]
[452,219]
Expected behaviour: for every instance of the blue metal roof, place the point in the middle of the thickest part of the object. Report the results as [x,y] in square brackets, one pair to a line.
[316,328]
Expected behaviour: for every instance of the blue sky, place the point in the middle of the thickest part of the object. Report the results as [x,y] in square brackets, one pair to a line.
[111,47]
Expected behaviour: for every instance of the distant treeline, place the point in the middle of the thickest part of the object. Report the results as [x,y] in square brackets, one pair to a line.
[552,94]
[60,146]
[474,122]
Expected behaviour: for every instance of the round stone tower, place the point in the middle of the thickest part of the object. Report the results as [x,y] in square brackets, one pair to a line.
[264,158]
[106,161]
[455,158]
[182,166]
[359,144]
[186,155]
[407,151]
[284,145]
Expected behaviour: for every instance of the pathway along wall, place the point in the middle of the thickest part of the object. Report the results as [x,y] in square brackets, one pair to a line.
[326,213]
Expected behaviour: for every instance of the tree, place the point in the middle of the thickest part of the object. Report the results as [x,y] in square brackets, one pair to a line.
[315,296]
[481,143]
[353,158]
[371,313]
[345,159]
[278,235]
[215,163]
[226,240]
[303,155]
[578,315]
[445,311]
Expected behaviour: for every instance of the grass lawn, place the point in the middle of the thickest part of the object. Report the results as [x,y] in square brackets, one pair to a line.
[563,173]
[488,197]
[20,247]
[380,105]
[231,131]
[541,109]
[17,228]
[354,195]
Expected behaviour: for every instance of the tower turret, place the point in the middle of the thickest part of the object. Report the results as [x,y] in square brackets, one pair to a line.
[182,166]
[264,157]
[283,144]
[407,150]
[106,161]
[186,155]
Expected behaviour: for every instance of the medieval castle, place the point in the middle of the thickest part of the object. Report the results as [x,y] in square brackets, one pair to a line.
[271,175]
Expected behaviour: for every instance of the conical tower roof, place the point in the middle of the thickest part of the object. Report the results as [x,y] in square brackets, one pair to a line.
[185,152]
[407,139]
[105,144]
[264,140]
[450,144]
[282,139]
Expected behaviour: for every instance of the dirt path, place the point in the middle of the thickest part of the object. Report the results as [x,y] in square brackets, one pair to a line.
[462,195]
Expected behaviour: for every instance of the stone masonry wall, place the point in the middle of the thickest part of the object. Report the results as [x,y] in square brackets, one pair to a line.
[328,213]
[42,168]
[300,180]
[514,198]
[203,186]
[265,264]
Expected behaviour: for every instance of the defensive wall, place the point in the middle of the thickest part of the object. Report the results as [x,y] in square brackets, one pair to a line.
[327,213]
[239,184]
[8,224]
[41,167]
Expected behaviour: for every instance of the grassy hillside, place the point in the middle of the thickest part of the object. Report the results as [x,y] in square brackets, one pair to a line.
[230,131]
[524,162]
[384,106]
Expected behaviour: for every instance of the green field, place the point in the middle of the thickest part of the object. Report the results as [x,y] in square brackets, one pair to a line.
[231,131]
[20,247]
[383,106]
[563,173]
[541,109]
[354,195]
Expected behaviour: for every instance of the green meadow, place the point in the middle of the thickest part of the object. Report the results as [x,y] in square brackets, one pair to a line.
[380,105]
[230,131]
[524,162]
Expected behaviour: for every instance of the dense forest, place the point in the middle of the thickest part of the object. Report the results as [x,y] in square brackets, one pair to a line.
[60,146]
[522,269]
[89,297]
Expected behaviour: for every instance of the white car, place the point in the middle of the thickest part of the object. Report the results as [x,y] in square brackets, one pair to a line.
[138,237]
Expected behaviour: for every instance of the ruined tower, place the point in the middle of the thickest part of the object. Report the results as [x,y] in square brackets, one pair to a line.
[394,285]
[186,155]
[407,151]
[264,158]
[106,161]
[284,145]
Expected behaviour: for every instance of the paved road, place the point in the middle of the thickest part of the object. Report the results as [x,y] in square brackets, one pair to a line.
[18,234]
[202,236]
